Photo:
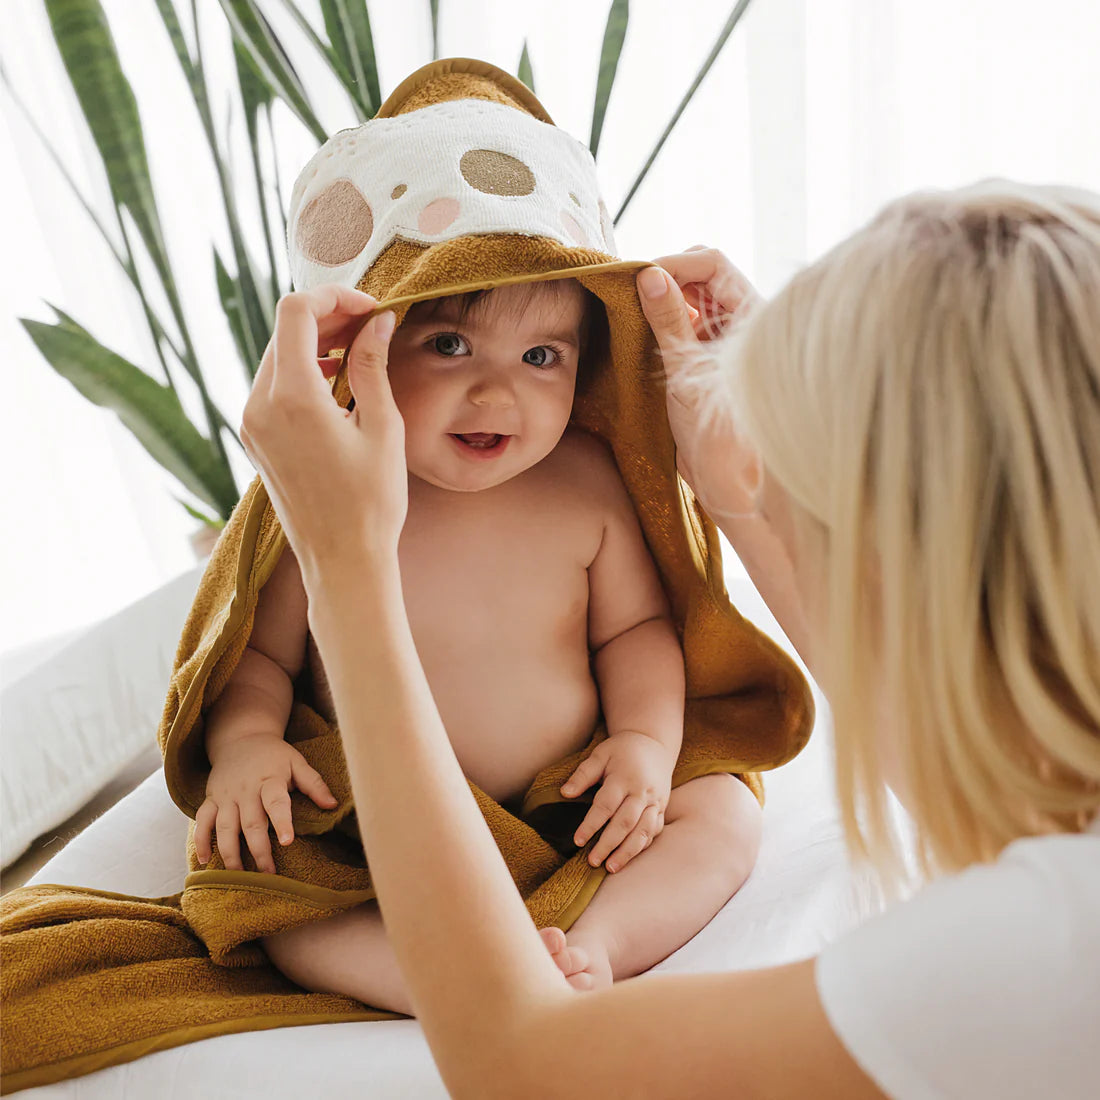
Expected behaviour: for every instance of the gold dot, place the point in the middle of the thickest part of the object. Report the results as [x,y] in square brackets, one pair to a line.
[574,198]
[399,190]
[494,173]
[336,225]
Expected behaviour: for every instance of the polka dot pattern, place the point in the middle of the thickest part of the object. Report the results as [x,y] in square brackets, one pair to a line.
[335,226]
[494,173]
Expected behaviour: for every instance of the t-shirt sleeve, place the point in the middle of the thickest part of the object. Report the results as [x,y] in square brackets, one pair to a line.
[984,984]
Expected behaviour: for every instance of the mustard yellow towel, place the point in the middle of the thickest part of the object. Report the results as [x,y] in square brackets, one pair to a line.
[461,183]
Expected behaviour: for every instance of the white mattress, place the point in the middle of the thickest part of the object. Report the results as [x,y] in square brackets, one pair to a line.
[801,895]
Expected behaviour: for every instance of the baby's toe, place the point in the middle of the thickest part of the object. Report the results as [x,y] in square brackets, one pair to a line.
[554,938]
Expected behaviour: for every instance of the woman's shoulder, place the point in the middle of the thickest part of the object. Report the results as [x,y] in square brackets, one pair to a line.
[984,983]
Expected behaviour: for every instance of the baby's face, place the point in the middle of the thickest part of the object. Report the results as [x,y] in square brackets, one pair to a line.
[487,395]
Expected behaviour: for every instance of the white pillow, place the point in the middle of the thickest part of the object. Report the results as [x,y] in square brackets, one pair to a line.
[72,722]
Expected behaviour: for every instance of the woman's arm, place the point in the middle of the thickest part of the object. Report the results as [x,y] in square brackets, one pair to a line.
[499,1016]
[710,456]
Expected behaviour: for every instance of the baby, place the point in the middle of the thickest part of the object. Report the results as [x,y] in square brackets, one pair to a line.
[535,605]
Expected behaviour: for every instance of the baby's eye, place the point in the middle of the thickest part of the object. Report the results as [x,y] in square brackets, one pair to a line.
[450,344]
[542,356]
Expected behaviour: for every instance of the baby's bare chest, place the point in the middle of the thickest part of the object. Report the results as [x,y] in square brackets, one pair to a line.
[508,578]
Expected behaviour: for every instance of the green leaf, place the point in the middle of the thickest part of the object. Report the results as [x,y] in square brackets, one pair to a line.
[88,52]
[435,29]
[211,521]
[151,411]
[727,30]
[229,291]
[257,96]
[618,16]
[252,30]
[525,72]
[347,23]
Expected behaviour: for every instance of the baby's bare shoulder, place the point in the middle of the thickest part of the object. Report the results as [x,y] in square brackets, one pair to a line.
[587,461]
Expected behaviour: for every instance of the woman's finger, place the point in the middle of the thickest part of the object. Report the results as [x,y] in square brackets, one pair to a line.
[367,359]
[640,838]
[711,269]
[666,311]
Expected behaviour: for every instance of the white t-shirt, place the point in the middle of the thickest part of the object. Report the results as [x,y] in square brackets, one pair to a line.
[986,984]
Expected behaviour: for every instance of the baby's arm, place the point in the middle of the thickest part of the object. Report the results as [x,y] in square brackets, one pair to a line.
[252,768]
[639,668]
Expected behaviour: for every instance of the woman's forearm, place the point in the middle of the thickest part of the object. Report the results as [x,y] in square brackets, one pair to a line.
[469,951]
[770,570]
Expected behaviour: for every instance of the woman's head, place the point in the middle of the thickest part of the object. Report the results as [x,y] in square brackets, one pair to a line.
[926,404]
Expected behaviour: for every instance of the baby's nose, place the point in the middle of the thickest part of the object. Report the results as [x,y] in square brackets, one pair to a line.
[492,393]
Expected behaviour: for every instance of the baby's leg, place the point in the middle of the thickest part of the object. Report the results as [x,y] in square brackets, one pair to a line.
[348,953]
[668,892]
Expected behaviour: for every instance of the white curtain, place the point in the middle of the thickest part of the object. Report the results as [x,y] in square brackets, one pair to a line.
[817,112]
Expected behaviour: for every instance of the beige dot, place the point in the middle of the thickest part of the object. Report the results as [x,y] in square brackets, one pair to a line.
[495,173]
[399,190]
[336,225]
[574,198]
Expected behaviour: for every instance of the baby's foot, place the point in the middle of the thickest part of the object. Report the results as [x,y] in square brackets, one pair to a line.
[584,968]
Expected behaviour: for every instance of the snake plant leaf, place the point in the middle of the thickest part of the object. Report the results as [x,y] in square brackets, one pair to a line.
[734,18]
[257,97]
[150,410]
[524,71]
[253,31]
[107,101]
[229,291]
[618,17]
[347,23]
[210,521]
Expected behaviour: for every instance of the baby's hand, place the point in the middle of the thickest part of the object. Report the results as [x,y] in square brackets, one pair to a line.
[636,770]
[249,784]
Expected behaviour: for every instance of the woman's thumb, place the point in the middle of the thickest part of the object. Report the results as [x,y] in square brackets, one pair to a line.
[369,353]
[665,308]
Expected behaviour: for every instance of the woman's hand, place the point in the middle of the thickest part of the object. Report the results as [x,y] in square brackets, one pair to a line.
[336,478]
[688,304]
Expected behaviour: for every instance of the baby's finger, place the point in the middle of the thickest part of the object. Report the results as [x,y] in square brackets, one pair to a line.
[640,838]
[588,772]
[606,802]
[204,827]
[254,826]
[276,802]
[308,780]
[229,836]
[617,829]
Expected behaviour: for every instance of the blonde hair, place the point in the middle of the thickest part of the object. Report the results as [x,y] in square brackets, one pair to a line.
[928,396]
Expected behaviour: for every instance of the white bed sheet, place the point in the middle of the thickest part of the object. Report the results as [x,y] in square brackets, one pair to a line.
[801,895]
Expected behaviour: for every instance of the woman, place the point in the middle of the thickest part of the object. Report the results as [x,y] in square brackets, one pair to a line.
[920,508]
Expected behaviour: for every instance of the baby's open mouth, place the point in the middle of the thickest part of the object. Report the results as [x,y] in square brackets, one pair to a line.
[484,443]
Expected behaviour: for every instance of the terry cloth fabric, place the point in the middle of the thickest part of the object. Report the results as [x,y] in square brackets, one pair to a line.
[461,183]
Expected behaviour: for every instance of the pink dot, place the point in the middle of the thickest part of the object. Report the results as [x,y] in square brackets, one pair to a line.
[572,227]
[437,215]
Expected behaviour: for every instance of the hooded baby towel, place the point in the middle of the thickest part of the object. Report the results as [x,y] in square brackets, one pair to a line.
[461,182]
